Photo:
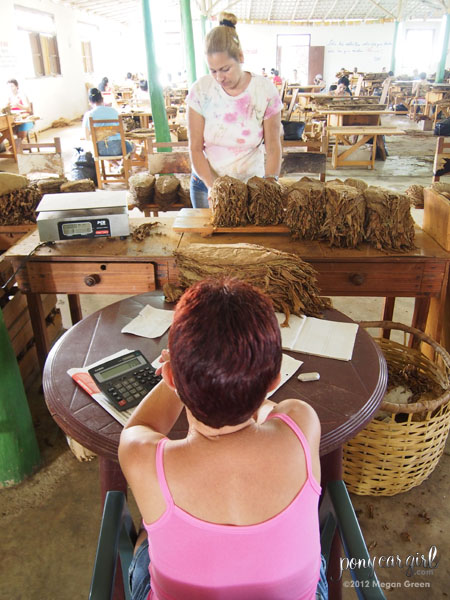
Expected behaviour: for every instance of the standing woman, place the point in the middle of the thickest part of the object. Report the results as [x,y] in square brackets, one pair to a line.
[232,115]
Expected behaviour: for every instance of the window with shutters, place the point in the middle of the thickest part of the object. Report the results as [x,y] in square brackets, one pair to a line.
[37,32]
[86,51]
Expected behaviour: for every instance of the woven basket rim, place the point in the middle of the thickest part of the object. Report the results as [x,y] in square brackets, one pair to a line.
[426,405]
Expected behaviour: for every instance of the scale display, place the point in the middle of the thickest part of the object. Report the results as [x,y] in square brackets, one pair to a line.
[87,228]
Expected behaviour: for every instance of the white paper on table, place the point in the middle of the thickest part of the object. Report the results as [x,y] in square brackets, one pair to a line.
[289,366]
[151,322]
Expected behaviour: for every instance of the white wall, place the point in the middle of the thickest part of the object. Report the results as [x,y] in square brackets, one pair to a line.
[368,47]
[64,95]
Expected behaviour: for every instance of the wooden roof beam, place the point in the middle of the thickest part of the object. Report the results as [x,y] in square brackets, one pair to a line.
[295,10]
[313,10]
[351,9]
[333,6]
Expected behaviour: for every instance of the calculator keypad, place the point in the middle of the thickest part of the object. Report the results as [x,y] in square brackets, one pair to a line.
[128,390]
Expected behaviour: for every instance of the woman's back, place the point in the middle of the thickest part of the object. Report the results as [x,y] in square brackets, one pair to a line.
[237,524]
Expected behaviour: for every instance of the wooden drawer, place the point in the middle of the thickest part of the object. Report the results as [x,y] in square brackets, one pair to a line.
[91,277]
[412,278]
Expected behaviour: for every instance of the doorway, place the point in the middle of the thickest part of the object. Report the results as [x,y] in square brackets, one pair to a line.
[293,57]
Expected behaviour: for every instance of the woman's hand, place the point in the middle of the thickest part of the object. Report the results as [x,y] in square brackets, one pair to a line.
[165,357]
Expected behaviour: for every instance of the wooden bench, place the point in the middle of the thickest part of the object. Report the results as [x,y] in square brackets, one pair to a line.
[363,136]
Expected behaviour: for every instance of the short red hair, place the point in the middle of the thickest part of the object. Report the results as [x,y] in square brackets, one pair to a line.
[225,350]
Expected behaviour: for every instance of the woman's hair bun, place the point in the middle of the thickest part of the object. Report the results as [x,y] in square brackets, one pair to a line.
[228,19]
[93,91]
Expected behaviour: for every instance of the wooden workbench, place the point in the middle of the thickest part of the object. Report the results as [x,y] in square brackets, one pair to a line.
[6,133]
[115,266]
[363,135]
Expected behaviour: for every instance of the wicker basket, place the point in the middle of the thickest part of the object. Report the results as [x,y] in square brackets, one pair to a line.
[388,457]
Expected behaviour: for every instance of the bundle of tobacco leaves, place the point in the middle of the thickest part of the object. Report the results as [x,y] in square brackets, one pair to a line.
[357,183]
[166,191]
[80,185]
[285,278]
[265,204]
[305,210]
[415,194]
[51,185]
[442,188]
[345,212]
[389,224]
[182,135]
[141,232]
[229,202]
[184,194]
[141,188]
[19,206]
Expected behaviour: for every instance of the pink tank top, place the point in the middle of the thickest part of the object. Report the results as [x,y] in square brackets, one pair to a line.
[278,559]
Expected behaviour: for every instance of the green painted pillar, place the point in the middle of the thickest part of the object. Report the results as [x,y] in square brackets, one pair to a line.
[186,23]
[441,66]
[159,114]
[203,23]
[394,47]
[19,452]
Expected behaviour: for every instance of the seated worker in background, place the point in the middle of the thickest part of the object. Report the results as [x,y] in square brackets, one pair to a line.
[106,89]
[319,82]
[231,510]
[18,102]
[343,87]
[112,145]
[332,89]
[276,78]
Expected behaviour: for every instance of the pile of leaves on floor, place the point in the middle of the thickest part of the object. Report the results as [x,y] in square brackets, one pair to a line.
[285,278]
[344,213]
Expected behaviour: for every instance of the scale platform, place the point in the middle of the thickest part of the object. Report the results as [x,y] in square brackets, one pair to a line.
[82,215]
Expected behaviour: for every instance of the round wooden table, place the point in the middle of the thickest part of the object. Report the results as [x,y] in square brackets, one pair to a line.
[345,398]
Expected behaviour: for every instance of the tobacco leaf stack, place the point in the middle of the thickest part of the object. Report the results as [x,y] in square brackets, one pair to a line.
[305,210]
[285,278]
[265,203]
[19,206]
[415,194]
[345,214]
[141,188]
[389,224]
[229,202]
[166,191]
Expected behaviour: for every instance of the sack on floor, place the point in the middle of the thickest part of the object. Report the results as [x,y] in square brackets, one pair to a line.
[443,127]
[400,108]
[83,166]
[293,130]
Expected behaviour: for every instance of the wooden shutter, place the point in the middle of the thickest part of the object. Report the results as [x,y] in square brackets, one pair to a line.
[36,51]
[53,56]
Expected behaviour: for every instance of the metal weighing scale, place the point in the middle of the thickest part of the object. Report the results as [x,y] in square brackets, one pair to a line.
[82,215]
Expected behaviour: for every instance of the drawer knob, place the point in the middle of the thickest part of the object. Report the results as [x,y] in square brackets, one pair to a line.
[357,278]
[91,280]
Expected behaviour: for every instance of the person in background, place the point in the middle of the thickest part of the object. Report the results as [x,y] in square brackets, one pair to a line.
[18,101]
[112,145]
[276,78]
[233,116]
[104,86]
[343,87]
[263,72]
[294,76]
[332,89]
[319,82]
[231,510]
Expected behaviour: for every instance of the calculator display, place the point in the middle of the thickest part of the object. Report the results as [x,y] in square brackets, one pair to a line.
[82,228]
[118,369]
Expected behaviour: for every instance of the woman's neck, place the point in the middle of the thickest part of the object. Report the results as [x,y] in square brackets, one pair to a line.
[240,86]
[212,433]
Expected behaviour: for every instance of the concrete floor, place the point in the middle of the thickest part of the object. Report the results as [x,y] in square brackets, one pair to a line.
[50,522]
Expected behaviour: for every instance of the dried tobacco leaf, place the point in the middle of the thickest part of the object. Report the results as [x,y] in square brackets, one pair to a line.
[143,231]
[166,191]
[229,202]
[19,206]
[415,193]
[389,224]
[141,188]
[345,214]
[265,204]
[305,210]
[285,278]
[357,183]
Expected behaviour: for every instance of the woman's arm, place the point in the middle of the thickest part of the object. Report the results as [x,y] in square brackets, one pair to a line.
[272,141]
[196,128]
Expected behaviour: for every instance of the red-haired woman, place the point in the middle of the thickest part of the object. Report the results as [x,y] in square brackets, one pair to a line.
[230,511]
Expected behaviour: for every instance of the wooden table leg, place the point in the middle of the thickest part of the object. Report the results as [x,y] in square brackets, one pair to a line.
[388,313]
[75,308]
[37,317]
[331,467]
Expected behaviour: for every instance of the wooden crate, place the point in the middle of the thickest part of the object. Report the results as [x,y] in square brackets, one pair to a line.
[436,217]
[17,320]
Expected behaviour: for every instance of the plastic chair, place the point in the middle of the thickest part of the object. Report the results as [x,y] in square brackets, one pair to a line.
[101,130]
[118,535]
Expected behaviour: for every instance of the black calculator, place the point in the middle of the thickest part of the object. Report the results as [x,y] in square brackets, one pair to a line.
[125,380]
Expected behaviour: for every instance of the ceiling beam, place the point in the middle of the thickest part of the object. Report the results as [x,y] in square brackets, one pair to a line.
[330,10]
[368,12]
[378,5]
[269,16]
[295,10]
[351,9]
[250,6]
[313,10]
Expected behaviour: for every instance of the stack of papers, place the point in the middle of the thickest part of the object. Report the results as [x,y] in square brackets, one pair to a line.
[330,339]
